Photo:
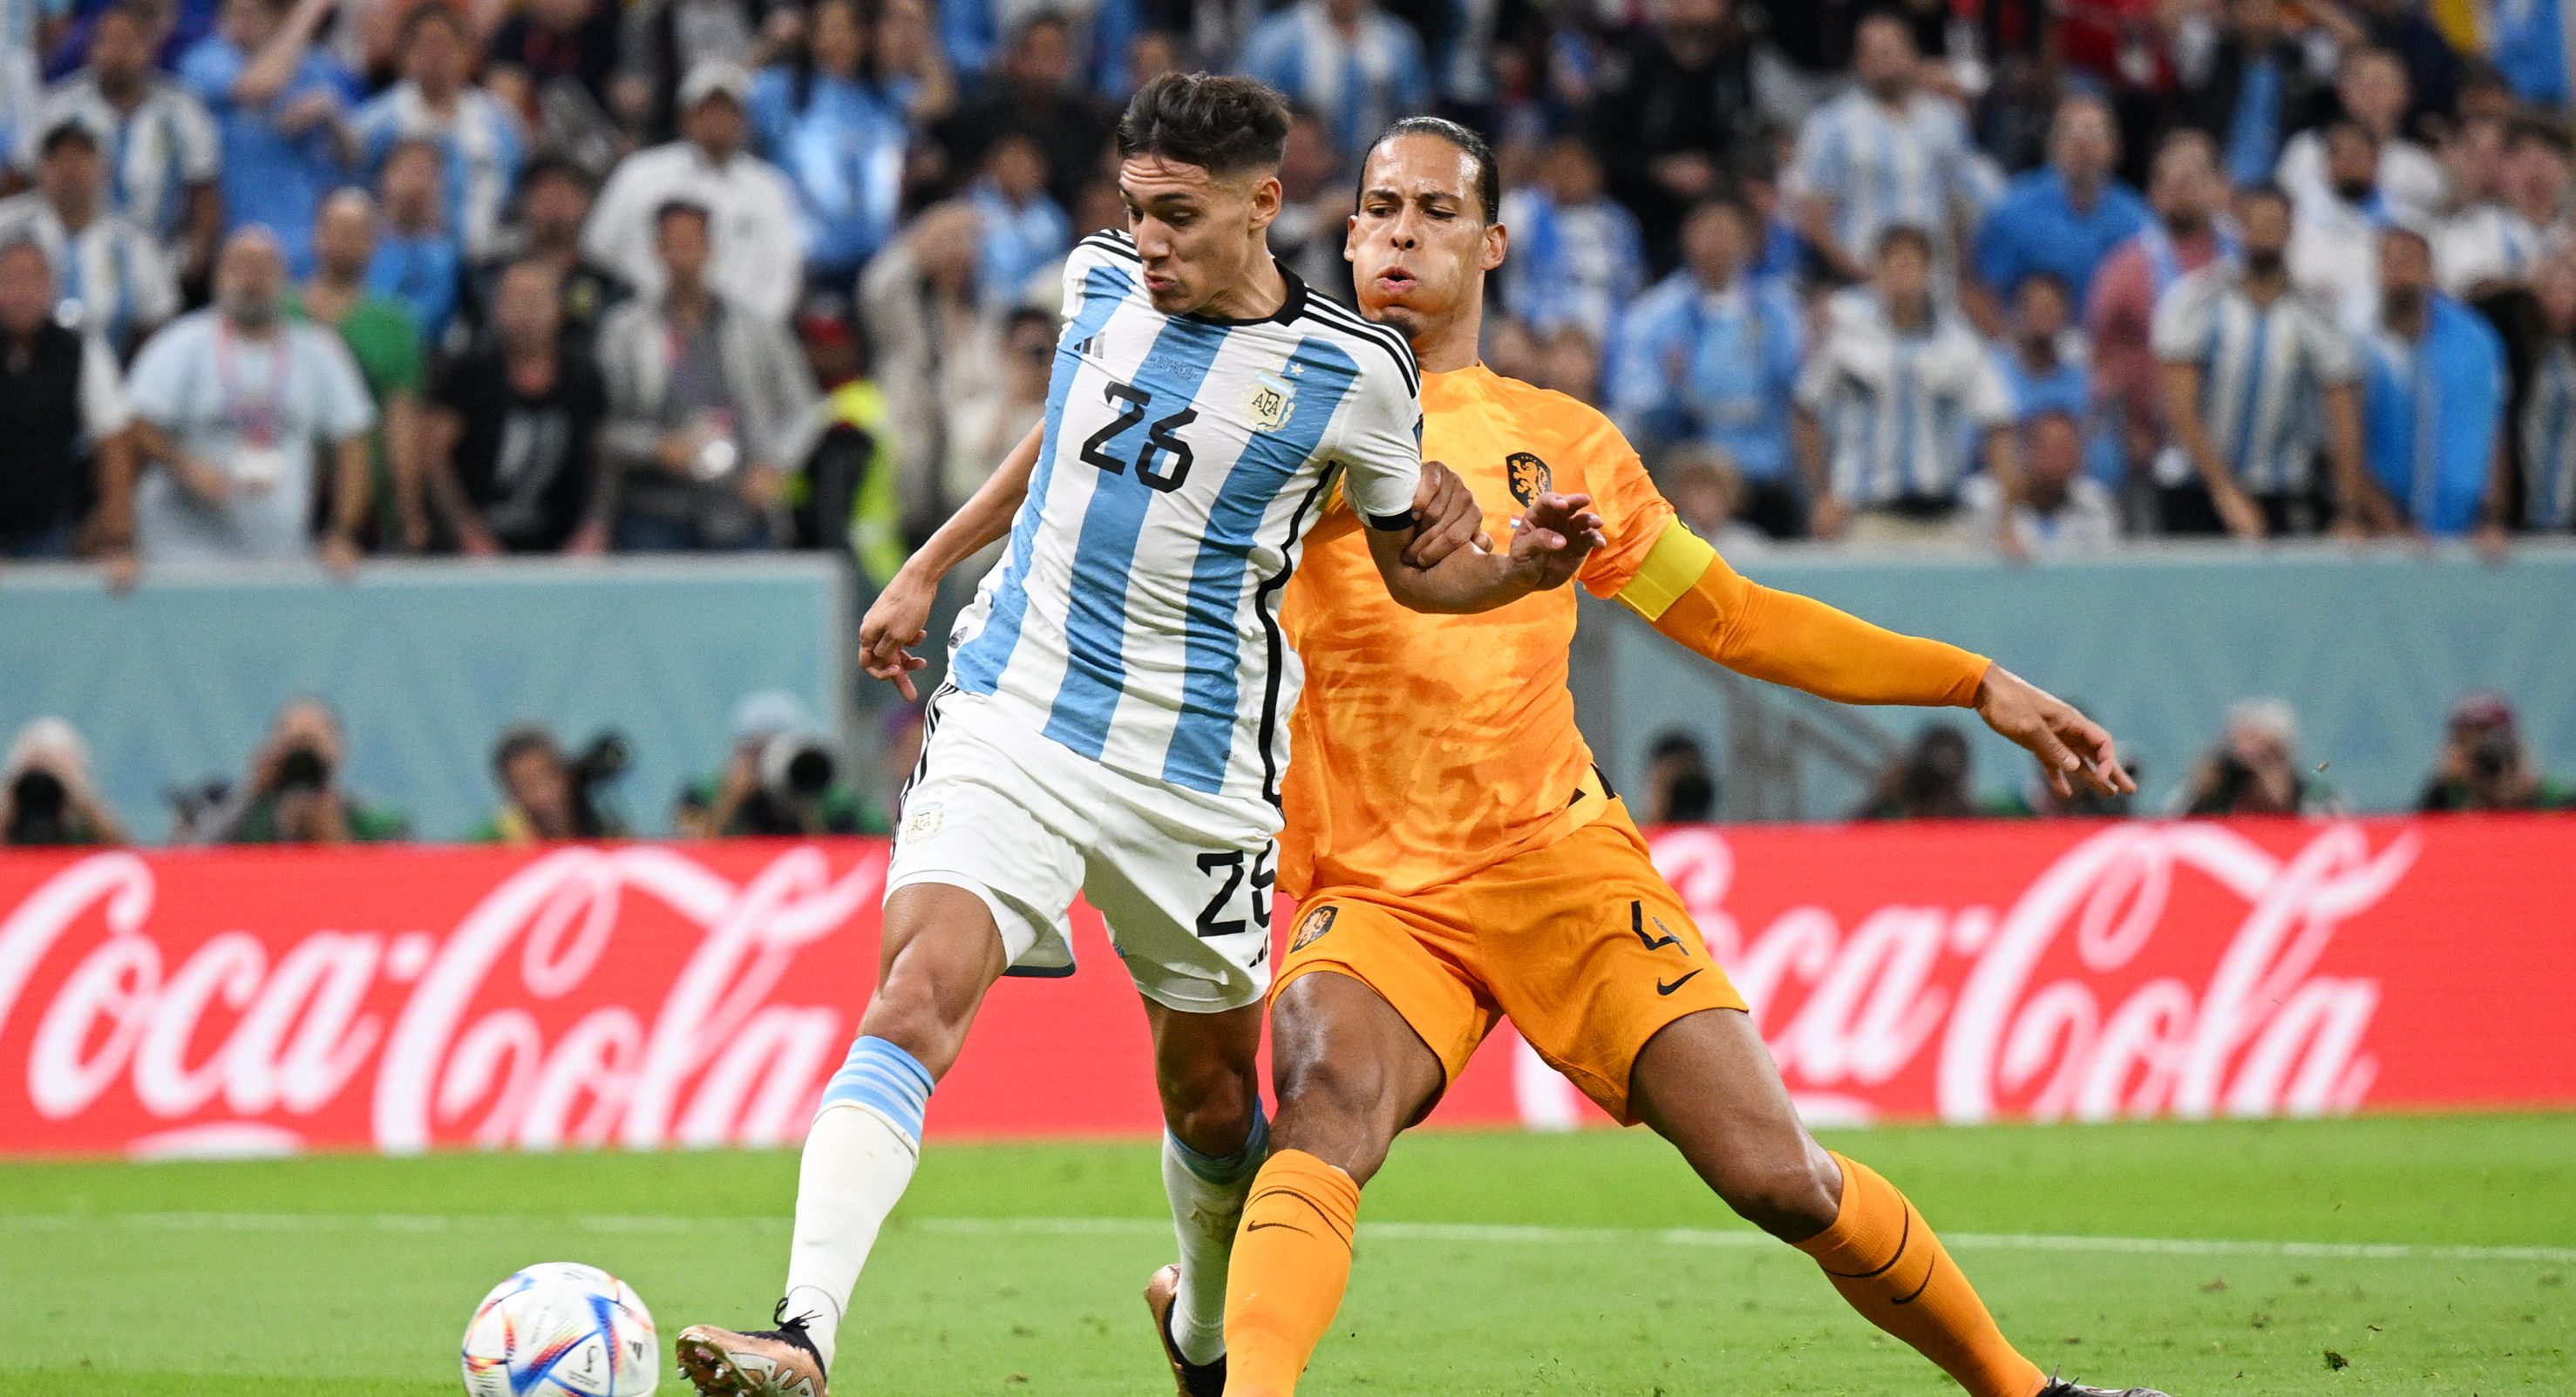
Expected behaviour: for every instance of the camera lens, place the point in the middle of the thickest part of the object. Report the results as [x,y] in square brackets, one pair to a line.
[303,770]
[809,773]
[38,797]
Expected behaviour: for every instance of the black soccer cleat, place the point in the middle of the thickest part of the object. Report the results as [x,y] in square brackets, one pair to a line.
[1195,1379]
[780,1362]
[2060,1387]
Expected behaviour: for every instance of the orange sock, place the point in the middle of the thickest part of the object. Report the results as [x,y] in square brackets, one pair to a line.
[1292,1261]
[1882,1256]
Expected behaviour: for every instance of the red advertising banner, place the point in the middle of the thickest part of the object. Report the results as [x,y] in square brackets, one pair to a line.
[401,999]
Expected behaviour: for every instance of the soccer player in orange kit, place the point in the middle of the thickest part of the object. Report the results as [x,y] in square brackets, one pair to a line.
[1458,858]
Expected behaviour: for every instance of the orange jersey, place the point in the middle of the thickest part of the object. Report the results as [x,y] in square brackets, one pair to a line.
[1427,747]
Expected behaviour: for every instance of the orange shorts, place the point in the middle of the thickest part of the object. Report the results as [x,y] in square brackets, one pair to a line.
[1582,943]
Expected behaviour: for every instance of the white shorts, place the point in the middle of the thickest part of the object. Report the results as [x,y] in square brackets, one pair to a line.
[1025,823]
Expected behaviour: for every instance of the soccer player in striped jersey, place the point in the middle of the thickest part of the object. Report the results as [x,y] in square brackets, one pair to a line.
[1114,720]
[1457,857]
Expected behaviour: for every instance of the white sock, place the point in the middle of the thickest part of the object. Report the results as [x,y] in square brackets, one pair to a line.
[859,1157]
[1207,1201]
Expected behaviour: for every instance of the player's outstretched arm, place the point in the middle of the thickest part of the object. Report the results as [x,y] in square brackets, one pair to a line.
[1693,597]
[900,616]
[1549,543]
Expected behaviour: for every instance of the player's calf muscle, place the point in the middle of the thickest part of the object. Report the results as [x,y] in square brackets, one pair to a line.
[1706,1084]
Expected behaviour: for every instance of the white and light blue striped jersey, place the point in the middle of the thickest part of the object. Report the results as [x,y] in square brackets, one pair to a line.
[2263,370]
[1903,414]
[2549,442]
[153,154]
[1878,167]
[1134,618]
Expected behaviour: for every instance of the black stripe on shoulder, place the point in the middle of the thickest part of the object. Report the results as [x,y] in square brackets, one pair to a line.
[1117,244]
[1326,311]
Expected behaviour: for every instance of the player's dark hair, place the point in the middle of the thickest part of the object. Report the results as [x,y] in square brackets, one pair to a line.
[1224,125]
[1489,178]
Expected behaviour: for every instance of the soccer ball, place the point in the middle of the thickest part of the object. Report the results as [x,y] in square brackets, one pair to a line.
[561,1328]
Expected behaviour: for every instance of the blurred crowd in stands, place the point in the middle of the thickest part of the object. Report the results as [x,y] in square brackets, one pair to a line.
[290,279]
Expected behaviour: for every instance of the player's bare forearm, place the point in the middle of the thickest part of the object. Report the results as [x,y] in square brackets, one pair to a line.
[1548,547]
[900,617]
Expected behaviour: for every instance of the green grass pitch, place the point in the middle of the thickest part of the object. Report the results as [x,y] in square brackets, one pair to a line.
[1488,1264]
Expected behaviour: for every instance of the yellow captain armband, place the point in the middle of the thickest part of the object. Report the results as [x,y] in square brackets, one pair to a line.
[1673,566]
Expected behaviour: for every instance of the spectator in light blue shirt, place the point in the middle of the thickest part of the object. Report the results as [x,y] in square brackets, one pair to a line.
[278,104]
[835,128]
[1355,65]
[1023,230]
[417,261]
[2047,367]
[2067,216]
[2043,360]
[1710,354]
[2433,396]
[475,136]
[1577,257]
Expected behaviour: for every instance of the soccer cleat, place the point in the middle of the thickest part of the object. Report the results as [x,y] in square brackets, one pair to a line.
[1195,1379]
[780,1362]
[2060,1387]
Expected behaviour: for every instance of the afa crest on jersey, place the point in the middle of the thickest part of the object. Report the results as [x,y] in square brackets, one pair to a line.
[1530,476]
[1271,400]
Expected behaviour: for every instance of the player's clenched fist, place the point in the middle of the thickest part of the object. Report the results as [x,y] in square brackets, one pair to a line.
[1449,517]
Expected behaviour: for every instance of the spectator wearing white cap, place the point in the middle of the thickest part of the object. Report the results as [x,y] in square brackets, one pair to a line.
[2255,768]
[759,253]
[46,793]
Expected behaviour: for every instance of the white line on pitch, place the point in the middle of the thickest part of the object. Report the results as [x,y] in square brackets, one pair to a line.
[1494,1233]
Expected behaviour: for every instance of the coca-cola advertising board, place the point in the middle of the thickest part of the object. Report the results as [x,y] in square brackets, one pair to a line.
[641,996]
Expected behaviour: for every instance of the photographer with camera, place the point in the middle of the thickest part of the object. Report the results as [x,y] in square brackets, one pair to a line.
[2484,765]
[784,778]
[293,793]
[1928,780]
[45,792]
[2255,769]
[546,795]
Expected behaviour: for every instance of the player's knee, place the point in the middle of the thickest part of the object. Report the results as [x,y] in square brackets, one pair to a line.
[1791,1194]
[1336,1112]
